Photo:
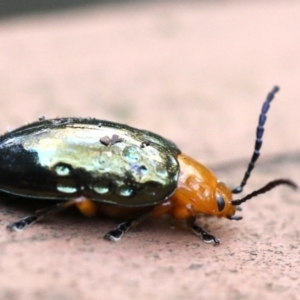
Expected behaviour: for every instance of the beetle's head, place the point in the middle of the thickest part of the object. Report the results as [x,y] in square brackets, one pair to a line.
[201,193]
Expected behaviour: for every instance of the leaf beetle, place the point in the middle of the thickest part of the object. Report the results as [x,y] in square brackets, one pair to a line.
[118,171]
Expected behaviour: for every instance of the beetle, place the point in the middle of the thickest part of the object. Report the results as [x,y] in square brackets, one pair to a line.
[118,171]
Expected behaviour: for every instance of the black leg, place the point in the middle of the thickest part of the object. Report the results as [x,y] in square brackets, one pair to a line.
[22,223]
[205,236]
[38,215]
[116,234]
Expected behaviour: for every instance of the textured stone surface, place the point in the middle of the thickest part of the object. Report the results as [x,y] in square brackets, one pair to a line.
[196,73]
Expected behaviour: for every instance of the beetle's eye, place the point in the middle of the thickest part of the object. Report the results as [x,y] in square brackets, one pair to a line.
[220,202]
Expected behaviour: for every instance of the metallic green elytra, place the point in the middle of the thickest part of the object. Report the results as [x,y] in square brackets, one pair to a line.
[103,161]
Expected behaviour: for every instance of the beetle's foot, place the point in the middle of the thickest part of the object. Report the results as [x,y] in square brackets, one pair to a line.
[238,208]
[205,236]
[116,234]
[236,218]
[22,224]
[113,235]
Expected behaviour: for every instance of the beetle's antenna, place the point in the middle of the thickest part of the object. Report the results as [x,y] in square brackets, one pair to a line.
[269,186]
[258,141]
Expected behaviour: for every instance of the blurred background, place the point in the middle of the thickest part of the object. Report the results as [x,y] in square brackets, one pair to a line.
[195,72]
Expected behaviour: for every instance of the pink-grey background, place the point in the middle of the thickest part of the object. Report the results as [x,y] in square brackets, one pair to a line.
[197,73]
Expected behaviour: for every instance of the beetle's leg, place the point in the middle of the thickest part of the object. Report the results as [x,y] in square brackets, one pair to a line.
[205,236]
[84,205]
[116,234]
[30,220]
[22,223]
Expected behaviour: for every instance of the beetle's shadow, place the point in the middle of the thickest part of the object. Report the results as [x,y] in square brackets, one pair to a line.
[10,203]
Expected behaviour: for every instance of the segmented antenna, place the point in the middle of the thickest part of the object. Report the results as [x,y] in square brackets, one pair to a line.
[269,186]
[258,141]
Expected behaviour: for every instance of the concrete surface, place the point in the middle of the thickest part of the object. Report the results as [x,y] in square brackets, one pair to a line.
[197,73]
